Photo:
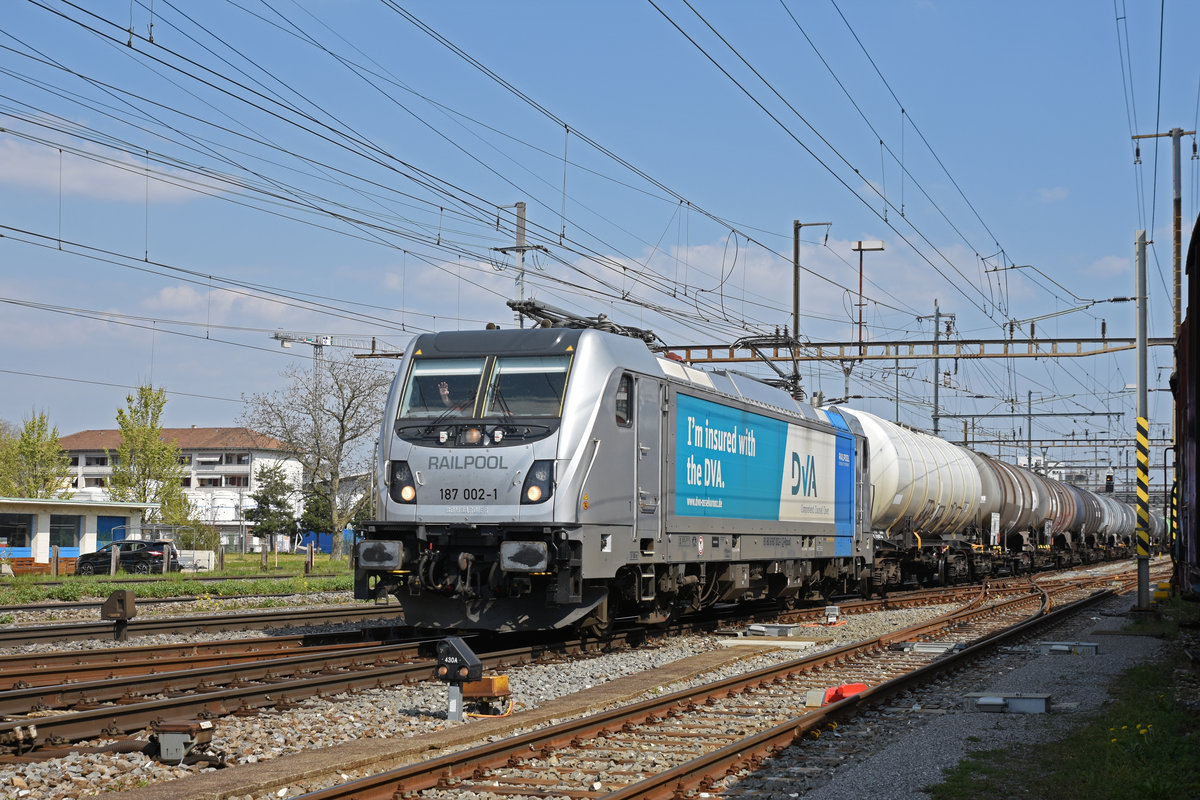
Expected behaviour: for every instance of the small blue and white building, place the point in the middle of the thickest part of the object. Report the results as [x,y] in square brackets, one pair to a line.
[29,527]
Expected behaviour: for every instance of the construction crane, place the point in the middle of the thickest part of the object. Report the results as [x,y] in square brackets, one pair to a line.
[320,341]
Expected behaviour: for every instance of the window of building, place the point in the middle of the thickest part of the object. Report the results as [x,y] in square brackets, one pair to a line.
[64,530]
[185,459]
[208,482]
[95,461]
[239,459]
[186,481]
[74,461]
[16,530]
[237,480]
[94,483]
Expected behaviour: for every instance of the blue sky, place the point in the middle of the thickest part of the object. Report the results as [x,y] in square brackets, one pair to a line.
[332,167]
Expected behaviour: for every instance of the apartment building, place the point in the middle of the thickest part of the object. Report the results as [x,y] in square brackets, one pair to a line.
[219,471]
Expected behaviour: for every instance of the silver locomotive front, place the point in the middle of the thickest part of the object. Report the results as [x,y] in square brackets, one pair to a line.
[466,534]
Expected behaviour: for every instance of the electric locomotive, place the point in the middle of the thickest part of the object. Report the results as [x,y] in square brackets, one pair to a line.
[555,476]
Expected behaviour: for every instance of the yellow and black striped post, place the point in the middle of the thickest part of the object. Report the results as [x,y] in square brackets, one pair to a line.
[1143,511]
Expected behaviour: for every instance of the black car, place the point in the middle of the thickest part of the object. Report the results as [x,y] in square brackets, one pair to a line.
[134,556]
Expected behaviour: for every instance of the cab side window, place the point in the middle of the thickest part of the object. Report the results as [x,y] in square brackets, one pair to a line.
[624,401]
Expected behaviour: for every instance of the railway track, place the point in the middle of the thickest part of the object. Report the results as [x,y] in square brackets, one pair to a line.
[691,740]
[142,693]
[94,605]
[197,623]
[330,615]
[53,699]
[132,578]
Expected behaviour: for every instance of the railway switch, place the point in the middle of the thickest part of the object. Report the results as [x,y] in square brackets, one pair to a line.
[456,664]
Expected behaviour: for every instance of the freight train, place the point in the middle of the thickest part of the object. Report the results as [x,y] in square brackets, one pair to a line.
[557,476]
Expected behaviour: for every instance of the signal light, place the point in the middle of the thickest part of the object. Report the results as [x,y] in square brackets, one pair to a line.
[456,662]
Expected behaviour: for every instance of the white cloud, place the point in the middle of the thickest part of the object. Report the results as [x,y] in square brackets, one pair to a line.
[217,305]
[1110,266]
[1052,195]
[118,178]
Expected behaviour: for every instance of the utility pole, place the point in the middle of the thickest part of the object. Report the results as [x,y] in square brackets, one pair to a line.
[1143,447]
[796,226]
[1175,134]
[520,249]
[937,369]
[1029,430]
[860,246]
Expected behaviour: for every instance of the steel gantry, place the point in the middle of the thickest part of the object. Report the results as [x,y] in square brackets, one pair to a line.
[771,349]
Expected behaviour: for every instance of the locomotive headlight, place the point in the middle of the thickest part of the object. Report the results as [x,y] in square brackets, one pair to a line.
[402,488]
[538,484]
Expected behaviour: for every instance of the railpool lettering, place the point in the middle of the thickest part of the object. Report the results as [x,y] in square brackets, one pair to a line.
[466,462]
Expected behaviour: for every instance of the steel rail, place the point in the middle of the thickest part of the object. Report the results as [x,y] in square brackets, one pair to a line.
[207,623]
[334,674]
[17,666]
[84,605]
[443,771]
[187,675]
[699,773]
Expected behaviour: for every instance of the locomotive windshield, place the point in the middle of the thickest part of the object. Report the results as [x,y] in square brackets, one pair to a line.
[530,386]
[442,388]
[509,386]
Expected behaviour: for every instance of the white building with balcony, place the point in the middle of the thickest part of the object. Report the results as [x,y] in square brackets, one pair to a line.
[219,472]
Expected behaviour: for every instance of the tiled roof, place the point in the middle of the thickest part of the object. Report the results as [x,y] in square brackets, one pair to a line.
[184,438]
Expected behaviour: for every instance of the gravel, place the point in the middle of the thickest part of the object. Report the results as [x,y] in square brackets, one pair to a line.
[896,768]
[894,752]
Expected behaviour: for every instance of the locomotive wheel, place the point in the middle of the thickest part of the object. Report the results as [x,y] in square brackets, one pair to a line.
[599,623]
[598,629]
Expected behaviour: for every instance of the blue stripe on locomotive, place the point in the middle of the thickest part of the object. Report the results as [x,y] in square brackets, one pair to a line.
[845,485]
[731,463]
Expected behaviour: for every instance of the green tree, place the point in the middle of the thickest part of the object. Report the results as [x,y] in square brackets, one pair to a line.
[147,468]
[316,515]
[33,463]
[272,513]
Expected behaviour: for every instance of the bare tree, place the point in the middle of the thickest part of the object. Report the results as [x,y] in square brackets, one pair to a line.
[328,419]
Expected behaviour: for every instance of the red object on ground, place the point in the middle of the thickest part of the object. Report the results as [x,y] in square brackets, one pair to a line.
[835,693]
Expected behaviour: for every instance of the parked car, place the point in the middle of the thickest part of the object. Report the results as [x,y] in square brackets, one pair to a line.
[133,556]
